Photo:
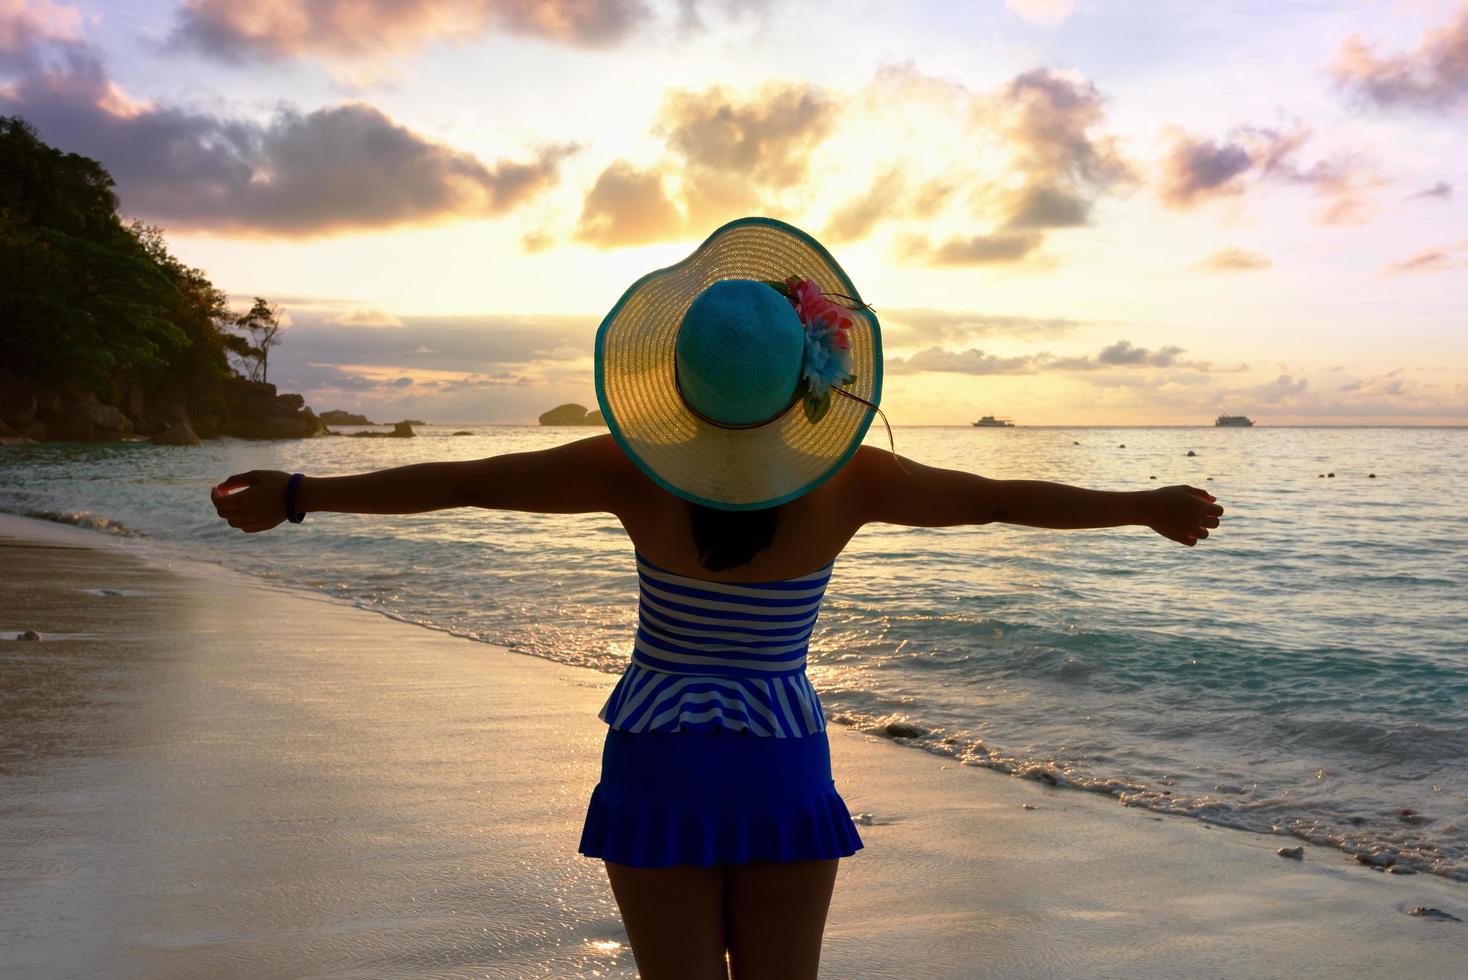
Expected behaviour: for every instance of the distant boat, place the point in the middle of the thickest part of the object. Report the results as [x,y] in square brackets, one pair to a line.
[990,422]
[1234,420]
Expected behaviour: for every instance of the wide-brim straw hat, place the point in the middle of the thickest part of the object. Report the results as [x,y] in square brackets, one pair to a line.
[691,456]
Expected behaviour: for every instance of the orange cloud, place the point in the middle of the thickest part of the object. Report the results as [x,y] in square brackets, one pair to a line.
[1030,157]
[1233,260]
[766,138]
[628,206]
[1439,258]
[858,217]
[995,249]
[1122,355]
[270,29]
[724,151]
[1433,77]
[23,23]
[1045,12]
[1013,164]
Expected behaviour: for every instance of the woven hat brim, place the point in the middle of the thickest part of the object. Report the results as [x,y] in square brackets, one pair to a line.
[731,469]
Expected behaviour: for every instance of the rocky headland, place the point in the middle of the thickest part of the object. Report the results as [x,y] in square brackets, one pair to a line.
[571,414]
[106,335]
[32,411]
[337,416]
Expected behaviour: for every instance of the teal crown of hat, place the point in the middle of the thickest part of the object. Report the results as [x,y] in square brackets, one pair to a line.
[738,353]
[743,356]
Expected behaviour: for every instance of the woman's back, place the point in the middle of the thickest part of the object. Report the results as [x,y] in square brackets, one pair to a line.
[809,532]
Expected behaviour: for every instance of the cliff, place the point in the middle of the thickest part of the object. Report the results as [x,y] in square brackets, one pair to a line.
[106,335]
[39,412]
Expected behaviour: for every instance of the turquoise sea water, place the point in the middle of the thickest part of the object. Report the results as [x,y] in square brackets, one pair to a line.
[1303,671]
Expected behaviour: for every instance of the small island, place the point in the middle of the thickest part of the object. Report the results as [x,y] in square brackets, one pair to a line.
[337,416]
[400,430]
[571,414]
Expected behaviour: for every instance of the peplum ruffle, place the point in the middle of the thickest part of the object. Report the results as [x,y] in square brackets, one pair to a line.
[707,798]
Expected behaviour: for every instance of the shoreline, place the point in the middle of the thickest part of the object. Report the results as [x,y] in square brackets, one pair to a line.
[210,775]
[1401,856]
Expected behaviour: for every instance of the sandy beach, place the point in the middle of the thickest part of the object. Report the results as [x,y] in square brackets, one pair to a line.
[201,775]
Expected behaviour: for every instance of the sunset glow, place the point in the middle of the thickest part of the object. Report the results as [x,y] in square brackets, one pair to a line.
[1067,213]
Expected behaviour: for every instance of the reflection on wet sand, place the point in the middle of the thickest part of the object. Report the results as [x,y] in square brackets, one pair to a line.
[223,782]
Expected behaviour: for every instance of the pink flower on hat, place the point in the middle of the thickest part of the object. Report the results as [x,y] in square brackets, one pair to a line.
[814,309]
[827,364]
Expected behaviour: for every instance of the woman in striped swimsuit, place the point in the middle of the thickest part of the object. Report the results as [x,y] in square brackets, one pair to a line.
[739,479]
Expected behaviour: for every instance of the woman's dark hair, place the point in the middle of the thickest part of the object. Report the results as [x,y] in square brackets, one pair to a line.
[729,538]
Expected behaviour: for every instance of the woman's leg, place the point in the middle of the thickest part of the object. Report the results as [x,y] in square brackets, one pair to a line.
[674,919]
[777,913]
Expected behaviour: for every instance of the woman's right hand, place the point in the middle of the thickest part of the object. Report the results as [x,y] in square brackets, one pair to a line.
[253,501]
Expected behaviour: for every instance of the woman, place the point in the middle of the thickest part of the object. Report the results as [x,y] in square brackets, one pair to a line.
[737,386]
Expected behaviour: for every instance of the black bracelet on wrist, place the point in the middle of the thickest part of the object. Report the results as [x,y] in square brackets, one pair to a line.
[291,486]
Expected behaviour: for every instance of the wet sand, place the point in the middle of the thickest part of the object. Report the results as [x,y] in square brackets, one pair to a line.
[204,776]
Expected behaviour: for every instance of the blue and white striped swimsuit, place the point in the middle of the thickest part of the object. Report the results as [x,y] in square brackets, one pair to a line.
[720,656]
[713,660]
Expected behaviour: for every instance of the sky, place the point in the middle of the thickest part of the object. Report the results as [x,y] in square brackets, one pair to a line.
[1067,212]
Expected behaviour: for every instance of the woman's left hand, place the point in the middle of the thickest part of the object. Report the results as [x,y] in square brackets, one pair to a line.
[1182,513]
[253,501]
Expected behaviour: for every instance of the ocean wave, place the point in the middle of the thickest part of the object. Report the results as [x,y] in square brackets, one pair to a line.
[1397,840]
[78,518]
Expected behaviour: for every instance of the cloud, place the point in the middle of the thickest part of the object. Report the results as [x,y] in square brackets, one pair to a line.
[346,29]
[1439,258]
[1048,159]
[27,25]
[910,326]
[627,206]
[1388,385]
[1122,355]
[1283,389]
[1045,12]
[972,361]
[1323,397]
[1125,352]
[857,218]
[1005,247]
[724,152]
[1046,207]
[766,138]
[691,14]
[1432,78]
[458,343]
[297,174]
[1011,164]
[1195,170]
[367,318]
[1053,121]
[1442,190]
[1233,260]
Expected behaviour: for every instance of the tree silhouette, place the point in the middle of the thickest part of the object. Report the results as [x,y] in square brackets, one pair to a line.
[262,326]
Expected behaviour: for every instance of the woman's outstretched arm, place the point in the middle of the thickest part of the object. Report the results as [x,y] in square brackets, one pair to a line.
[928,496]
[579,477]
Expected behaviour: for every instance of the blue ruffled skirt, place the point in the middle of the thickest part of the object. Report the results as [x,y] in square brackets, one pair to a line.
[716,797]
